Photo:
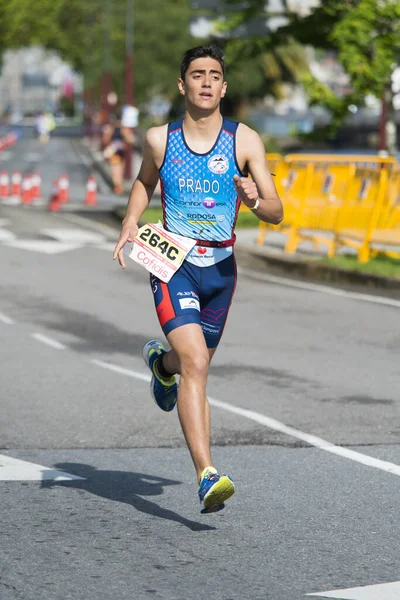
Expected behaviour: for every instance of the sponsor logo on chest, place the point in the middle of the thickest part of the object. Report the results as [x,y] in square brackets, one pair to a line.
[218,164]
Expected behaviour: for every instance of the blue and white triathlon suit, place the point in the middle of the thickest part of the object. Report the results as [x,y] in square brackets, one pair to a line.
[199,201]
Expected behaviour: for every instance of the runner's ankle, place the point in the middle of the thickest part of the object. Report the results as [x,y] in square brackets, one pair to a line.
[161,370]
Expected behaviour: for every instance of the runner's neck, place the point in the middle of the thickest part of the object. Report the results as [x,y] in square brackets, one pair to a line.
[201,134]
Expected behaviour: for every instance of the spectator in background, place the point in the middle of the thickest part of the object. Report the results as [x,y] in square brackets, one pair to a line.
[115,137]
[42,130]
[50,123]
[45,125]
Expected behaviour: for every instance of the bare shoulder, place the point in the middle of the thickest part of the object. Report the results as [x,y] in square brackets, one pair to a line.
[249,146]
[156,137]
[155,143]
[248,138]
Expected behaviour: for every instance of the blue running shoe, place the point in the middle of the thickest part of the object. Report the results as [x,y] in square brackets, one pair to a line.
[214,490]
[163,391]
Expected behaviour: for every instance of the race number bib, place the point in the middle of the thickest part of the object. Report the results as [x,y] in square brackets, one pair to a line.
[159,251]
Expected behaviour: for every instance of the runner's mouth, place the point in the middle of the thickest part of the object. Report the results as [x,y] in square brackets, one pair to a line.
[205,95]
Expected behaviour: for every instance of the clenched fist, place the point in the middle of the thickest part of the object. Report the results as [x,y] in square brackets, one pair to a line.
[246,190]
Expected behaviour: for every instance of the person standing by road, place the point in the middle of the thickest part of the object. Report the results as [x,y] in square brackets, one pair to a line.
[115,138]
[202,161]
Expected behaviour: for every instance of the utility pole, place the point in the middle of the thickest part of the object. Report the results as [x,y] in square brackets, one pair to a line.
[383,124]
[128,83]
[106,79]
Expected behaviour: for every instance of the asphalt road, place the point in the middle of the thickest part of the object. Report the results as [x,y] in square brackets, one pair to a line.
[305,419]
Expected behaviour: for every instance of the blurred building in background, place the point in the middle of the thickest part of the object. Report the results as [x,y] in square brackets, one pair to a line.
[34,80]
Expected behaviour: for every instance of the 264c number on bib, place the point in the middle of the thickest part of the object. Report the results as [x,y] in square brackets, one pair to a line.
[159,251]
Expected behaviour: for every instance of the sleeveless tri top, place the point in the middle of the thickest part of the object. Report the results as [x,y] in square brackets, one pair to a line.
[199,198]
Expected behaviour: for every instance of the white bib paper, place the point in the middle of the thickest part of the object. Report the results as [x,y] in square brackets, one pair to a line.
[159,251]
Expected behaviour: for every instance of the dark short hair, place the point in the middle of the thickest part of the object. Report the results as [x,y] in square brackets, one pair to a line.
[202,52]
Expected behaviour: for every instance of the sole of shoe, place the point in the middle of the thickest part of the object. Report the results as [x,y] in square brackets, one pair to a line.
[219,493]
[146,348]
[146,358]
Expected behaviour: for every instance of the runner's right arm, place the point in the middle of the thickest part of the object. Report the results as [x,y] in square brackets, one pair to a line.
[140,196]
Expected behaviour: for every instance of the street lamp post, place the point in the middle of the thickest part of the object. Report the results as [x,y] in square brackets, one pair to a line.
[128,83]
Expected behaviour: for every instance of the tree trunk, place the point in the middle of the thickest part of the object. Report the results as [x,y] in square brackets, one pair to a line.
[242,110]
[387,124]
[391,129]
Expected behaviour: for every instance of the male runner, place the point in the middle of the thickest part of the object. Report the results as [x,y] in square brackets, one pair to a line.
[201,161]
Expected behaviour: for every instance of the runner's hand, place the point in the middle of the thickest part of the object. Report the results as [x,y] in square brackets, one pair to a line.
[246,190]
[128,234]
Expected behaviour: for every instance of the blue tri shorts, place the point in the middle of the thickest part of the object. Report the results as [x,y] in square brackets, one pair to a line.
[196,294]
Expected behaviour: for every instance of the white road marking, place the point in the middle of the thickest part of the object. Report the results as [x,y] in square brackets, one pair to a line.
[275,425]
[32,157]
[121,370]
[381,591]
[42,246]
[11,201]
[312,440]
[13,469]
[5,156]
[4,222]
[49,341]
[81,236]
[108,246]
[6,235]
[314,287]
[92,225]
[6,320]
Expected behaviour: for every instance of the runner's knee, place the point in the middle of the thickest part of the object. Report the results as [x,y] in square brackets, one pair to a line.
[195,365]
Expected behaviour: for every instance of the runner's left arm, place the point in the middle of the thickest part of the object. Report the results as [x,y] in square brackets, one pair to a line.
[260,187]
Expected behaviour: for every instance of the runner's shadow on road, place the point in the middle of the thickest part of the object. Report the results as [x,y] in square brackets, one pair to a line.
[124,486]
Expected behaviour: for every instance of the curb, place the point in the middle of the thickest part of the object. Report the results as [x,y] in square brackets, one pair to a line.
[94,163]
[304,269]
[310,269]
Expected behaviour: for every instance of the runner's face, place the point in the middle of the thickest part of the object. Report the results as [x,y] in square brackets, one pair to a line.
[204,84]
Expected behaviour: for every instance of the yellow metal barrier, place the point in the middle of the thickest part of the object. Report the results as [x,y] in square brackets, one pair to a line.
[338,200]
[381,233]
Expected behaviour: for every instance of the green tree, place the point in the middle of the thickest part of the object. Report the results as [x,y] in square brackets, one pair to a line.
[256,67]
[363,33]
[79,29]
[253,75]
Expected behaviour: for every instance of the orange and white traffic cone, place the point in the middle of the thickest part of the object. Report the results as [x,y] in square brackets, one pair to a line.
[16,180]
[36,186]
[26,194]
[91,191]
[4,184]
[10,139]
[54,200]
[63,187]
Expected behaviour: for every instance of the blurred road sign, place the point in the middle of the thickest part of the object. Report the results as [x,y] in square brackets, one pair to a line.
[130,116]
